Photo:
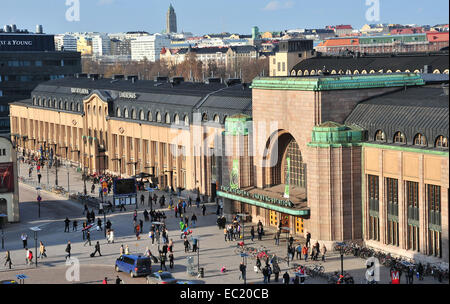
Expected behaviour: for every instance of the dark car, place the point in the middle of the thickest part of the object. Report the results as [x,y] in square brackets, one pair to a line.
[161,277]
[134,265]
[8,282]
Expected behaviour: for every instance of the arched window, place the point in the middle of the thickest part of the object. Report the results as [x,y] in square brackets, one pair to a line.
[125,113]
[416,71]
[204,117]
[149,116]
[45,102]
[72,107]
[407,71]
[216,118]
[399,138]
[39,101]
[158,117]
[312,73]
[380,136]
[420,140]
[60,104]
[333,72]
[297,172]
[141,115]
[57,105]
[78,107]
[293,73]
[306,73]
[176,119]
[445,72]
[133,114]
[186,120]
[398,71]
[118,113]
[372,72]
[34,101]
[355,72]
[436,71]
[441,142]
[167,118]
[348,72]
[106,111]
[299,73]
[340,72]
[93,110]
[363,72]
[100,111]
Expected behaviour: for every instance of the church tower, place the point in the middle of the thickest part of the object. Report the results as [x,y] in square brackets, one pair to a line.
[171,20]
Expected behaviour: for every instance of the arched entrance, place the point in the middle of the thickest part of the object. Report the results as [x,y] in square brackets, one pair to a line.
[285,147]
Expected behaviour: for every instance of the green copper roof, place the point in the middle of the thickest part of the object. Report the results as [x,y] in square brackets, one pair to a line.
[336,135]
[238,124]
[340,82]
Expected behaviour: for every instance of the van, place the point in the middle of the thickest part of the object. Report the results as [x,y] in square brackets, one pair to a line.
[134,265]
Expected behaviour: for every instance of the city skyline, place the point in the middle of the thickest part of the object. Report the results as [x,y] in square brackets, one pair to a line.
[205,17]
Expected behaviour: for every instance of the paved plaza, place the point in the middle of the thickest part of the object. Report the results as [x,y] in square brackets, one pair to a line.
[214,251]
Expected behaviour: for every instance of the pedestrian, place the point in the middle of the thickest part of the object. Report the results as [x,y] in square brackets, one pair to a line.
[28,256]
[141,225]
[265,273]
[39,178]
[260,231]
[127,250]
[324,251]
[171,259]
[186,245]
[258,263]
[121,250]
[243,269]
[193,220]
[42,250]
[162,259]
[308,239]
[194,245]
[204,209]
[277,237]
[317,251]
[74,225]
[105,281]
[24,238]
[252,233]
[93,188]
[8,259]
[88,238]
[305,252]
[269,273]
[410,275]
[225,232]
[138,231]
[118,280]
[142,199]
[186,221]
[97,249]
[190,202]
[85,209]
[68,249]
[197,201]
[286,278]
[99,224]
[276,271]
[298,251]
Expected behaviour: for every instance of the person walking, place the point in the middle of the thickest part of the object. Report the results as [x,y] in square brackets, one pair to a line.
[141,225]
[252,233]
[99,224]
[324,251]
[308,239]
[225,232]
[42,250]
[298,251]
[162,259]
[75,225]
[243,270]
[142,199]
[203,209]
[88,238]
[28,256]
[105,281]
[8,259]
[118,281]
[286,278]
[186,245]
[269,273]
[138,231]
[66,223]
[171,259]
[277,237]
[68,249]
[97,249]
[305,252]
[121,250]
[258,263]
[127,250]
[265,273]
[193,220]
[24,238]
[276,271]
[194,245]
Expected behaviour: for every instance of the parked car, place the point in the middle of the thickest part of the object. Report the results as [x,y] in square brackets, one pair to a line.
[134,265]
[8,282]
[161,277]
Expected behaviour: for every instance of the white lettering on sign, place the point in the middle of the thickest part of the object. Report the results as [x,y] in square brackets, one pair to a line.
[16,43]
[79,91]
[128,95]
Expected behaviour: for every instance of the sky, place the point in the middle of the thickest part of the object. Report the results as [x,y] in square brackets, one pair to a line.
[213,16]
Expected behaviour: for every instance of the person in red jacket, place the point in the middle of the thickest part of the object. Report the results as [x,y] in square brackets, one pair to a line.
[105,281]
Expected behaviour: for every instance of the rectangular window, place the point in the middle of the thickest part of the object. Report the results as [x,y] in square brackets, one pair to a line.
[392,211]
[434,220]
[412,203]
[374,208]
[284,66]
[279,66]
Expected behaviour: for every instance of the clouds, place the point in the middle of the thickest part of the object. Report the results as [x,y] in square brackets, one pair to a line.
[278,5]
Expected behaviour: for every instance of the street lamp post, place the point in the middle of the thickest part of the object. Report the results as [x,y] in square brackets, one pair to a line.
[35,230]
[2,216]
[39,198]
[341,251]
[197,238]
[287,229]
[67,167]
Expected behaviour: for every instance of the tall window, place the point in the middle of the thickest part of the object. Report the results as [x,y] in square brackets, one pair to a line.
[392,211]
[374,207]
[412,201]
[297,172]
[420,140]
[158,117]
[441,142]
[141,115]
[399,138]
[434,220]
[125,113]
[380,136]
